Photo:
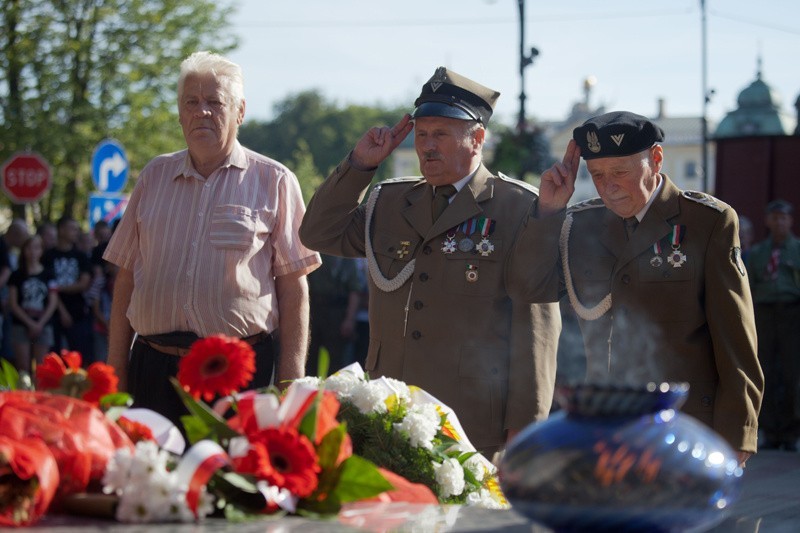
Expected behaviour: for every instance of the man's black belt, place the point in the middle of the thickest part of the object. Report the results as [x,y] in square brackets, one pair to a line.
[179,342]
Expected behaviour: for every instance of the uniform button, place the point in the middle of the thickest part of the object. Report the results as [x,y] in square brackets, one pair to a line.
[391,249]
[418,305]
[423,277]
[666,274]
[494,371]
[427,250]
[416,334]
[626,279]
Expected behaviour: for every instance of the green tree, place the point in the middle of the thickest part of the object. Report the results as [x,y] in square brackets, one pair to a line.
[522,155]
[73,72]
[306,124]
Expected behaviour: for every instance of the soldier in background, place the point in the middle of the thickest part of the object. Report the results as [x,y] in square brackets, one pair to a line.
[774,269]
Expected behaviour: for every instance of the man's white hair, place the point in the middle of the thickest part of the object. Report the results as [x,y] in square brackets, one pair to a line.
[228,73]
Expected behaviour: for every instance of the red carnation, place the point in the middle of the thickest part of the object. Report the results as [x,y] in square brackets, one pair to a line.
[216,365]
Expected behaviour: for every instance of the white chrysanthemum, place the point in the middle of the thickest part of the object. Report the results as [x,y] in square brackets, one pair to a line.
[312,381]
[483,498]
[205,506]
[369,397]
[420,424]
[450,477]
[343,383]
[115,478]
[400,389]
[148,460]
[476,466]
[133,508]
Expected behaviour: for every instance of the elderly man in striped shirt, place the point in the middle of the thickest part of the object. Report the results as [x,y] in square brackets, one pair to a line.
[208,245]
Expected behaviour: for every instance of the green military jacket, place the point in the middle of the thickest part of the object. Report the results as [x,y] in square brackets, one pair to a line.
[787,287]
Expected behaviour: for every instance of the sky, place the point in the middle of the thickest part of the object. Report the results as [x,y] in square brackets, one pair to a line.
[381,52]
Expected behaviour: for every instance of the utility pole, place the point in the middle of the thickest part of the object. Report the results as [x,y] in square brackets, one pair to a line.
[524,61]
[706,94]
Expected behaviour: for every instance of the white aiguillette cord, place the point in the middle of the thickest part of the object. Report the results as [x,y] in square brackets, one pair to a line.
[585,313]
[381,281]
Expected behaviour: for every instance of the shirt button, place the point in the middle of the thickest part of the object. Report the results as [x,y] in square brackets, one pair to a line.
[186,306]
[427,250]
[416,334]
[626,279]
[418,305]
[194,244]
[423,277]
[200,214]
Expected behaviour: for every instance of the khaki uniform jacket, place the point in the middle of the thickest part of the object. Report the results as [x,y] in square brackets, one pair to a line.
[690,323]
[487,355]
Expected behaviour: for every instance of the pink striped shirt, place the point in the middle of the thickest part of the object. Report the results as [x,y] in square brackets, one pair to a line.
[204,252]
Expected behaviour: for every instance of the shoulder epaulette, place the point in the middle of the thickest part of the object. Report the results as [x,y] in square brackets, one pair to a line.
[705,199]
[591,203]
[402,179]
[524,184]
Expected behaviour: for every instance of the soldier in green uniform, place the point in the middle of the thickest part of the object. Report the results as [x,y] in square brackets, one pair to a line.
[656,277]
[774,269]
[444,315]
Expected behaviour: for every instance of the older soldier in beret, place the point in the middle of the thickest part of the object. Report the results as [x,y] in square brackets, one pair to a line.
[774,269]
[656,278]
[443,314]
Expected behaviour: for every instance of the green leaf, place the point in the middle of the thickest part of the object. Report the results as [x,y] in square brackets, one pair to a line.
[117,399]
[9,377]
[328,449]
[359,479]
[215,423]
[238,490]
[196,429]
[323,363]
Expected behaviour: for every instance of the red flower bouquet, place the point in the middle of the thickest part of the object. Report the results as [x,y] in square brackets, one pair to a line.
[28,480]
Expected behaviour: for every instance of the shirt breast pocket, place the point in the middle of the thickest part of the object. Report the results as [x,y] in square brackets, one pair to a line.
[232,227]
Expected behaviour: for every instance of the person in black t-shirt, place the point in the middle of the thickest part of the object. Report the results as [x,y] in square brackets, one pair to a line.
[74,276]
[33,299]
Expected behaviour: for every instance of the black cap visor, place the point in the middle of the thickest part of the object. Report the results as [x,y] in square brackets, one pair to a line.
[438,109]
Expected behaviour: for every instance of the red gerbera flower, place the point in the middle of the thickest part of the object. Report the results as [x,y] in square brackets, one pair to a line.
[291,461]
[136,431]
[89,386]
[50,372]
[103,381]
[216,365]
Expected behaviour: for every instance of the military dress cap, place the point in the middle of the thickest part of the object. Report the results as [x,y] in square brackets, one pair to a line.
[780,206]
[616,134]
[448,94]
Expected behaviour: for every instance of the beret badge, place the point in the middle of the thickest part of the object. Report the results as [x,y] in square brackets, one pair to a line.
[592,142]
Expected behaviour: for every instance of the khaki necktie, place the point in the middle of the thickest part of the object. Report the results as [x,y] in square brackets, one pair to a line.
[630,226]
[441,199]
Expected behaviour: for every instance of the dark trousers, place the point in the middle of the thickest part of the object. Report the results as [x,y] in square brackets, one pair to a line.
[778,328]
[149,371]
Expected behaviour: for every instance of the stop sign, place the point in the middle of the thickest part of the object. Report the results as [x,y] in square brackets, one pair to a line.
[26,177]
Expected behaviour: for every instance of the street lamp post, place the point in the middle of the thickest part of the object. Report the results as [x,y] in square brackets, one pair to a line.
[706,94]
[524,61]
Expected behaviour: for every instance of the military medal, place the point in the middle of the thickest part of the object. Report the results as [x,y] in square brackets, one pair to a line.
[472,273]
[449,243]
[466,244]
[485,247]
[676,258]
[656,260]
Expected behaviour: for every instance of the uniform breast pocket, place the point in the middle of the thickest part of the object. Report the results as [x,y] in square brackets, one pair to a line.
[591,277]
[393,252]
[473,273]
[673,288]
[232,227]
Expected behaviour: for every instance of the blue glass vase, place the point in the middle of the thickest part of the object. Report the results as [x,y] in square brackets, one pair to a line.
[618,458]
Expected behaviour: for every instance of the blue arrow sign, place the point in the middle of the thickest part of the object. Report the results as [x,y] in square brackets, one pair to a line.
[109,166]
[108,207]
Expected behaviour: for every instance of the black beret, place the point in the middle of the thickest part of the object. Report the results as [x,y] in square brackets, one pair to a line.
[779,206]
[448,94]
[616,134]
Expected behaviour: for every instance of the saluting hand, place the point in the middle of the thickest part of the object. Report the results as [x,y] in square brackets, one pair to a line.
[558,181]
[378,143]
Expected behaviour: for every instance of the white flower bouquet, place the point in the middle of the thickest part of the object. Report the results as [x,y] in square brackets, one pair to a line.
[406,430]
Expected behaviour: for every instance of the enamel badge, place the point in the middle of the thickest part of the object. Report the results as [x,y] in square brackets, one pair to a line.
[471,273]
[485,247]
